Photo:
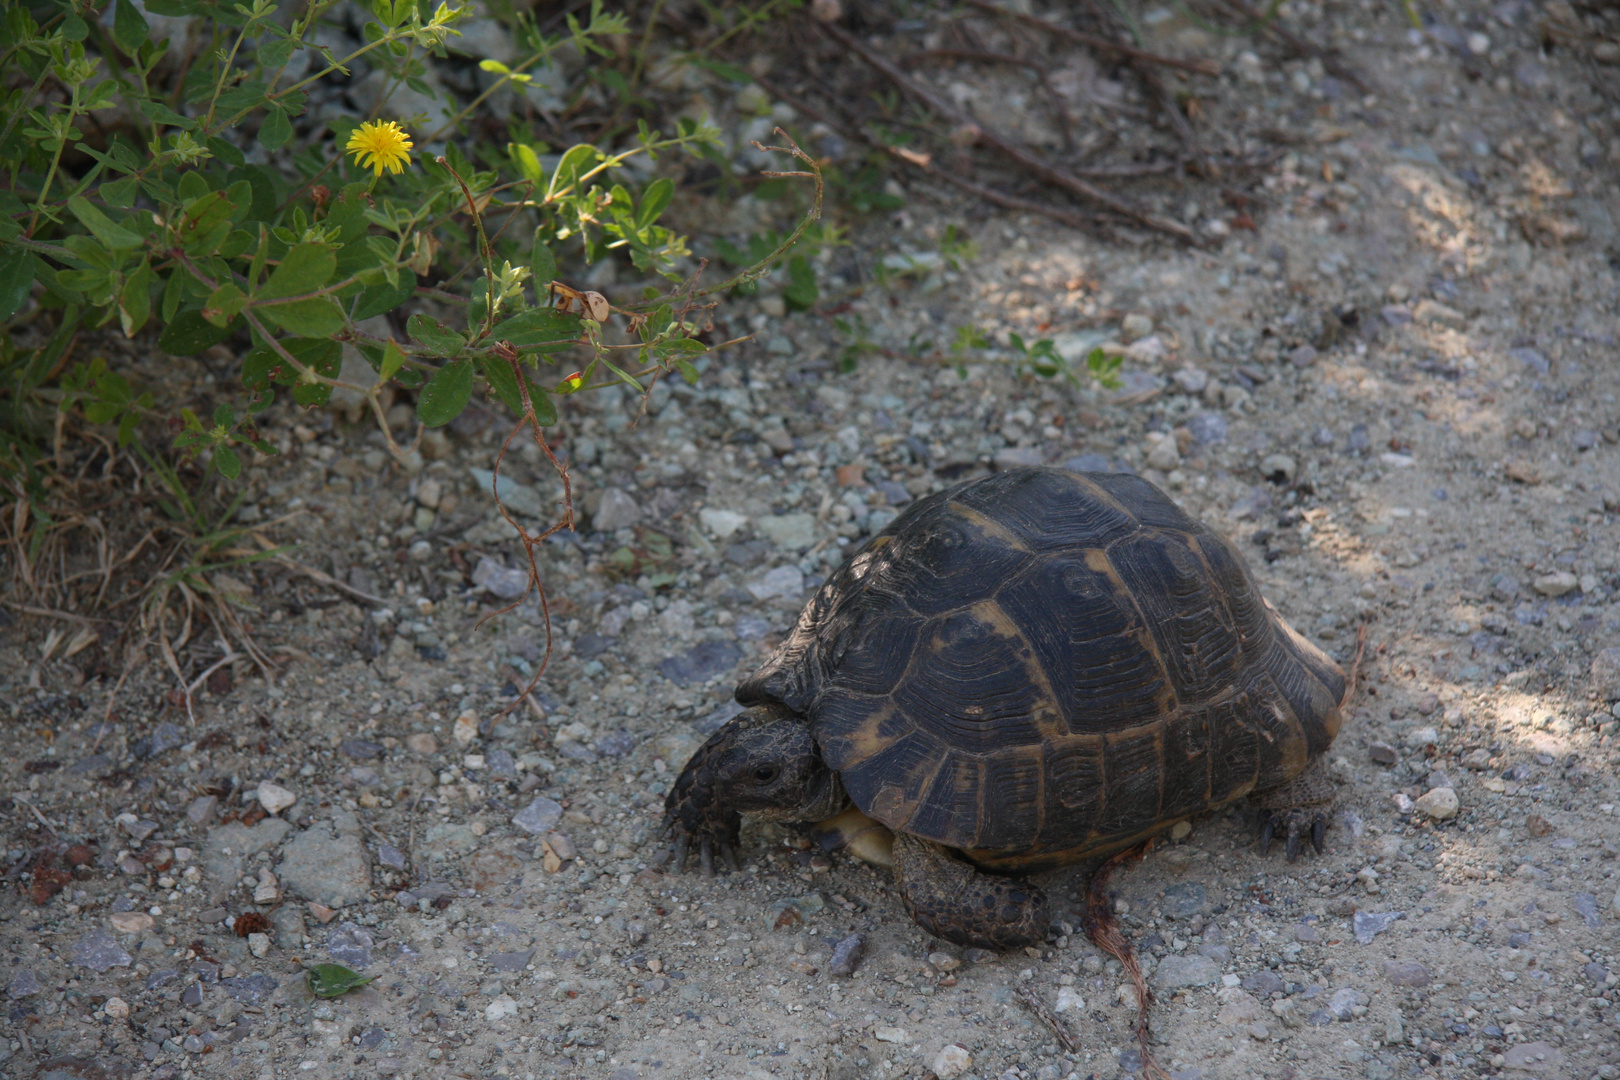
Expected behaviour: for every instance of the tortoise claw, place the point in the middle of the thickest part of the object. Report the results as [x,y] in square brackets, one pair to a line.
[1268,825]
[1292,846]
[729,854]
[683,848]
[1318,834]
[706,857]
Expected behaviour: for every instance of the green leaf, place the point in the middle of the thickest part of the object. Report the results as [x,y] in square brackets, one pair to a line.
[504,386]
[381,299]
[135,301]
[539,326]
[303,269]
[16,278]
[801,293]
[274,54]
[527,162]
[688,372]
[188,333]
[275,131]
[101,226]
[225,304]
[319,316]
[229,465]
[729,72]
[542,263]
[446,393]
[569,166]
[159,113]
[74,28]
[436,336]
[119,193]
[334,980]
[393,359]
[654,200]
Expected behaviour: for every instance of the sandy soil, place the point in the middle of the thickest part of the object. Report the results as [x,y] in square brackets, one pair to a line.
[1397,395]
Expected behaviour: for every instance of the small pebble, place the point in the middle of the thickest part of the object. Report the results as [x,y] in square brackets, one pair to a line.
[116,1008]
[259,944]
[1439,803]
[274,798]
[951,1062]
[847,955]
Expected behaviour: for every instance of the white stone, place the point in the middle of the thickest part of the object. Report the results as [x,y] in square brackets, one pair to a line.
[784,581]
[1557,584]
[1164,454]
[951,1061]
[890,1035]
[499,1009]
[1135,326]
[722,523]
[131,922]
[795,532]
[274,798]
[259,945]
[1422,736]
[617,511]
[1439,803]
[1069,998]
[117,1008]
[268,890]
[465,729]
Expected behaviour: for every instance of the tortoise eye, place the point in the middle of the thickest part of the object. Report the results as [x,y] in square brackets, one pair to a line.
[766,773]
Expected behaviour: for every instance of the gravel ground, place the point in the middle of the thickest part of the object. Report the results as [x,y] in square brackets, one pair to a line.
[1398,395]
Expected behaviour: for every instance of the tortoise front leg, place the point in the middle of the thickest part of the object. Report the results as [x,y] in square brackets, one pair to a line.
[1299,805]
[950,898]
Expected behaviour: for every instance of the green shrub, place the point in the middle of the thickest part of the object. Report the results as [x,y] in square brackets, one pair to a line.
[131,203]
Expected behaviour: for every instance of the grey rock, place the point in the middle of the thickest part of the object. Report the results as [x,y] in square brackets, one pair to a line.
[99,950]
[1606,673]
[202,809]
[328,863]
[1185,899]
[791,532]
[499,580]
[1586,906]
[1596,974]
[1531,359]
[520,499]
[500,762]
[616,511]
[1539,1055]
[93,764]
[1369,924]
[350,944]
[24,983]
[164,737]
[1407,973]
[540,816]
[361,749]
[1344,1000]
[1208,429]
[192,995]
[1263,983]
[372,1037]
[391,857]
[783,581]
[702,662]
[1303,356]
[847,955]
[249,989]
[161,978]
[511,961]
[894,491]
[615,744]
[1181,971]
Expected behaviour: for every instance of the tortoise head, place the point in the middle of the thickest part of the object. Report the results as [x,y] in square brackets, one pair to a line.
[763,762]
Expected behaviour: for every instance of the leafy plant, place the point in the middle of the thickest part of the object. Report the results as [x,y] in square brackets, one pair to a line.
[166,222]
[334,980]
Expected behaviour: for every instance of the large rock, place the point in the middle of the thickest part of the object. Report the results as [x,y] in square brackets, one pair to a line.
[793,532]
[616,511]
[328,863]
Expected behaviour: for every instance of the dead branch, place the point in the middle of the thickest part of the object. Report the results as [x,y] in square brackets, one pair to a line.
[1037,165]
[1051,1019]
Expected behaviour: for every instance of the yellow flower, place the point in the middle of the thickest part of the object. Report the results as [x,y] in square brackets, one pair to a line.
[385,141]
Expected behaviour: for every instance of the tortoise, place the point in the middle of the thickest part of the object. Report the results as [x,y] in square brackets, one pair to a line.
[1031,669]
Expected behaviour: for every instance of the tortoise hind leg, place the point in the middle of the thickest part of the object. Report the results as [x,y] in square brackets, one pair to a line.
[951,899]
[1297,809]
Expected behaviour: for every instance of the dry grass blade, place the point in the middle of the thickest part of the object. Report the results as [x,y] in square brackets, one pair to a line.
[1051,1019]
[1035,164]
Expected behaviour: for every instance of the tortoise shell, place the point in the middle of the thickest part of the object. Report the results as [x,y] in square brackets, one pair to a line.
[1041,665]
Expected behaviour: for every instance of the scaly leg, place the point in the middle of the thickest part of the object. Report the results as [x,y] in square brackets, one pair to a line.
[1298,808]
[950,898]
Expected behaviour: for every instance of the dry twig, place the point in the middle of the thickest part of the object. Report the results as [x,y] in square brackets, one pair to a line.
[1196,67]
[1036,164]
[1051,1019]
